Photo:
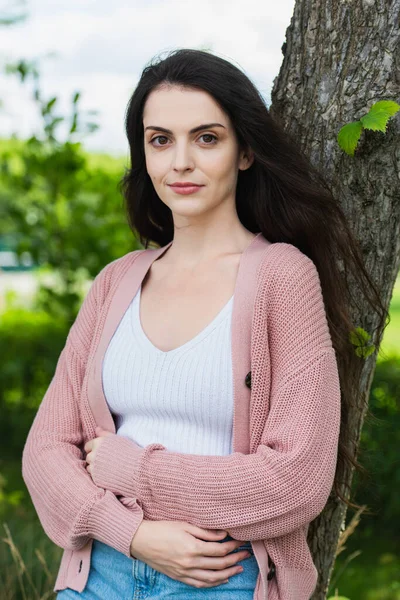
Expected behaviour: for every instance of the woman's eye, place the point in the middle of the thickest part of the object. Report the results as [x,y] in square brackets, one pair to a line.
[210,135]
[204,135]
[157,138]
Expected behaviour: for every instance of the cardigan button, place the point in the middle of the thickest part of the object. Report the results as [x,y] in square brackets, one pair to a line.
[271,571]
[248,379]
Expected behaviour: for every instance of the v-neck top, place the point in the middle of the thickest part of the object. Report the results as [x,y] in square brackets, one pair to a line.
[142,338]
[182,398]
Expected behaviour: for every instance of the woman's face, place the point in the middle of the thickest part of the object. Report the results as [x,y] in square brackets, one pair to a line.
[208,156]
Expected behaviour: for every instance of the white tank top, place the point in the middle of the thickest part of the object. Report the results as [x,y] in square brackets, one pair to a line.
[182,398]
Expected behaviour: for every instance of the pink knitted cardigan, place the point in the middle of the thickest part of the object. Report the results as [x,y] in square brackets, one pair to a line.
[285,430]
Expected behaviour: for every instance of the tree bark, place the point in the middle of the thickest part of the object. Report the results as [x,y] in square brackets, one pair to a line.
[340,57]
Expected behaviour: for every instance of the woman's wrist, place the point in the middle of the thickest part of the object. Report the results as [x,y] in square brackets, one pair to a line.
[136,538]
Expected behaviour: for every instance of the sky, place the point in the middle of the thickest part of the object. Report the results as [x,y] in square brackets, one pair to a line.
[100,48]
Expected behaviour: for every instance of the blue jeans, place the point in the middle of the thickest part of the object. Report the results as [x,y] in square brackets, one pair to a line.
[114,576]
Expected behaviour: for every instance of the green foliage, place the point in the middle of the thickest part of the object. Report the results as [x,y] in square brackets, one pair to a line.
[374,574]
[52,192]
[379,452]
[30,343]
[361,340]
[379,114]
[391,340]
[375,119]
[349,136]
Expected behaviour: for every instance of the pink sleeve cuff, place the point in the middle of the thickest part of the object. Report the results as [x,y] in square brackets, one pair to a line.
[113,523]
[116,464]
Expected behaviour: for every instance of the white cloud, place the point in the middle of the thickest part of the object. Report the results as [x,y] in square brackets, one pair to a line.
[102,48]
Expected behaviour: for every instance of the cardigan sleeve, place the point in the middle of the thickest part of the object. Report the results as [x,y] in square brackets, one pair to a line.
[284,484]
[70,507]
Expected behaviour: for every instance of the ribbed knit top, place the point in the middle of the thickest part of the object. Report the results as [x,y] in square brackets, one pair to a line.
[181,398]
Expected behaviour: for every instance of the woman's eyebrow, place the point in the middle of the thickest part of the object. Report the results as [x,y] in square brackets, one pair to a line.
[194,130]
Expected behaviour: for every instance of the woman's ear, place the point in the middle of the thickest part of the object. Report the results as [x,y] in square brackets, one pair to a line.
[246,159]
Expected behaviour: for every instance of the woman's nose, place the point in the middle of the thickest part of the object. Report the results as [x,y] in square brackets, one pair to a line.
[182,158]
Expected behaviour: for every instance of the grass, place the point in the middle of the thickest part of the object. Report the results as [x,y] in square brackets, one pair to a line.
[372,574]
[29,561]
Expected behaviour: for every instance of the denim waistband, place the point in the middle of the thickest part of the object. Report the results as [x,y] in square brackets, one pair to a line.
[228,538]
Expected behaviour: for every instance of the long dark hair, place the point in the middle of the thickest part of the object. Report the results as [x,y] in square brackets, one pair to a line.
[281,195]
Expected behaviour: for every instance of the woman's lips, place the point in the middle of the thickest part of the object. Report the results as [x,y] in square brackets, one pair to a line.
[187,189]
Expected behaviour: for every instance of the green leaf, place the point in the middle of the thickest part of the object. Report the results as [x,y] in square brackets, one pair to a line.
[62,212]
[379,114]
[369,349]
[348,137]
[388,106]
[338,598]
[74,125]
[359,337]
[364,351]
[51,103]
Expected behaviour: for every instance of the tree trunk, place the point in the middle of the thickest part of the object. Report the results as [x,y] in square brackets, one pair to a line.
[340,57]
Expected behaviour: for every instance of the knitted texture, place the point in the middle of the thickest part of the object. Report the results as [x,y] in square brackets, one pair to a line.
[286,482]
[270,494]
[71,508]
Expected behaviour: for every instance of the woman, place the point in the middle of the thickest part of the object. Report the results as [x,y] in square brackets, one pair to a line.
[150,461]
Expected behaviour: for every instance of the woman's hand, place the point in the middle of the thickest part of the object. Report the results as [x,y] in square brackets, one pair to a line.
[178,549]
[92,445]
